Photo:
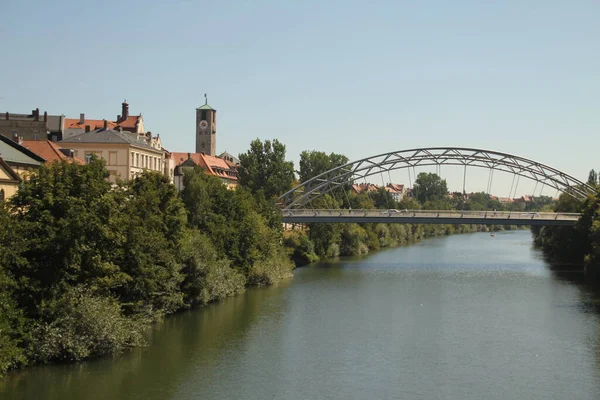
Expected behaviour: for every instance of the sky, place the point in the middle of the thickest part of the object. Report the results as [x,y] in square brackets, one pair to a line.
[351,77]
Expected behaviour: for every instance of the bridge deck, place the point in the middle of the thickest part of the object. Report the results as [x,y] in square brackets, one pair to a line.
[430,217]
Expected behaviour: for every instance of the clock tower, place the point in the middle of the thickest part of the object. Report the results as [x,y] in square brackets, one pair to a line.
[206,129]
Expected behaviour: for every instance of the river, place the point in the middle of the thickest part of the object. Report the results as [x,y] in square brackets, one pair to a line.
[459,317]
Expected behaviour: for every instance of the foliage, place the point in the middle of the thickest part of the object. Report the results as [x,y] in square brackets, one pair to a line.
[429,187]
[235,223]
[263,167]
[300,247]
[69,223]
[208,278]
[592,178]
[154,218]
[83,324]
[313,163]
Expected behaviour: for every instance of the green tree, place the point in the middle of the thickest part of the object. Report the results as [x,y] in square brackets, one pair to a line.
[592,178]
[154,219]
[313,163]
[264,167]
[71,225]
[429,187]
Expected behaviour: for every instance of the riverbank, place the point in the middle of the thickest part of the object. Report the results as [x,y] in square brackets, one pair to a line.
[419,321]
[86,267]
[578,245]
[318,242]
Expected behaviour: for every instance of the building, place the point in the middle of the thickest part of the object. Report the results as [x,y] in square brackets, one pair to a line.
[16,162]
[206,130]
[126,154]
[231,160]
[124,121]
[31,126]
[51,152]
[396,190]
[9,181]
[211,165]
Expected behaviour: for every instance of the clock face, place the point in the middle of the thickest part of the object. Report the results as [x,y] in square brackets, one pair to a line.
[203,125]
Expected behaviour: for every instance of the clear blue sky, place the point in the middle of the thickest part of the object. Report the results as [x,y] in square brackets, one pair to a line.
[358,78]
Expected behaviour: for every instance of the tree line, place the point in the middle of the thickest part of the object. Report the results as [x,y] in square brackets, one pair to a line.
[579,246]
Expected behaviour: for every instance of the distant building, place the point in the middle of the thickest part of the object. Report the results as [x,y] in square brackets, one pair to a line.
[16,163]
[51,152]
[396,190]
[31,126]
[211,165]
[124,121]
[206,130]
[127,154]
[229,159]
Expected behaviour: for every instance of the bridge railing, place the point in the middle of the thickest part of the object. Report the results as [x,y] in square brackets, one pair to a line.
[520,215]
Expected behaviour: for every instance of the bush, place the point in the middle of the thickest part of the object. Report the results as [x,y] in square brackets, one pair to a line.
[83,325]
[207,278]
[300,247]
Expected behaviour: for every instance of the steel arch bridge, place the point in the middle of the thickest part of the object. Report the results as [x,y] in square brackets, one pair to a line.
[302,195]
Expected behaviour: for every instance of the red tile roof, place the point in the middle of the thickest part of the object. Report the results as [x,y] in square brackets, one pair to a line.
[73,123]
[48,151]
[130,123]
[214,165]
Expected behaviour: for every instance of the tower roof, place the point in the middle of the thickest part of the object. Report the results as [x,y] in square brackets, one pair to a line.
[206,107]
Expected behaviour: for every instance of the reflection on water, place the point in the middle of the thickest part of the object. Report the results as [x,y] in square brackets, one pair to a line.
[460,317]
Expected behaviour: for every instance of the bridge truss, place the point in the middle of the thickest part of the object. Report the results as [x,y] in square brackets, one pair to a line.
[343,176]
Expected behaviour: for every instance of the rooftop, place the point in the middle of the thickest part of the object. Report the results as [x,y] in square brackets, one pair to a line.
[49,151]
[109,136]
[13,152]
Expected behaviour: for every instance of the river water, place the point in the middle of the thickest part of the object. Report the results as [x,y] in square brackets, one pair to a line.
[459,317]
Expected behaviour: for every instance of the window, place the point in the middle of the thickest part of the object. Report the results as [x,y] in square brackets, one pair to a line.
[132,158]
[137,159]
[36,136]
[2,195]
[88,157]
[203,115]
[155,163]
[112,158]
[213,117]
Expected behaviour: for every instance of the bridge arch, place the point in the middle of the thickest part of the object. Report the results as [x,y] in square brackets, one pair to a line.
[324,183]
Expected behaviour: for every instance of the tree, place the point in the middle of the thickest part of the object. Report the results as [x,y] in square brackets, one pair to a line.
[154,220]
[592,178]
[71,227]
[264,167]
[429,187]
[313,163]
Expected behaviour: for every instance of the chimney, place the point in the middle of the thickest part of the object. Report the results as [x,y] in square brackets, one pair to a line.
[125,110]
[189,156]
[15,137]
[87,128]
[45,116]
[82,118]
[7,116]
[105,124]
[37,114]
